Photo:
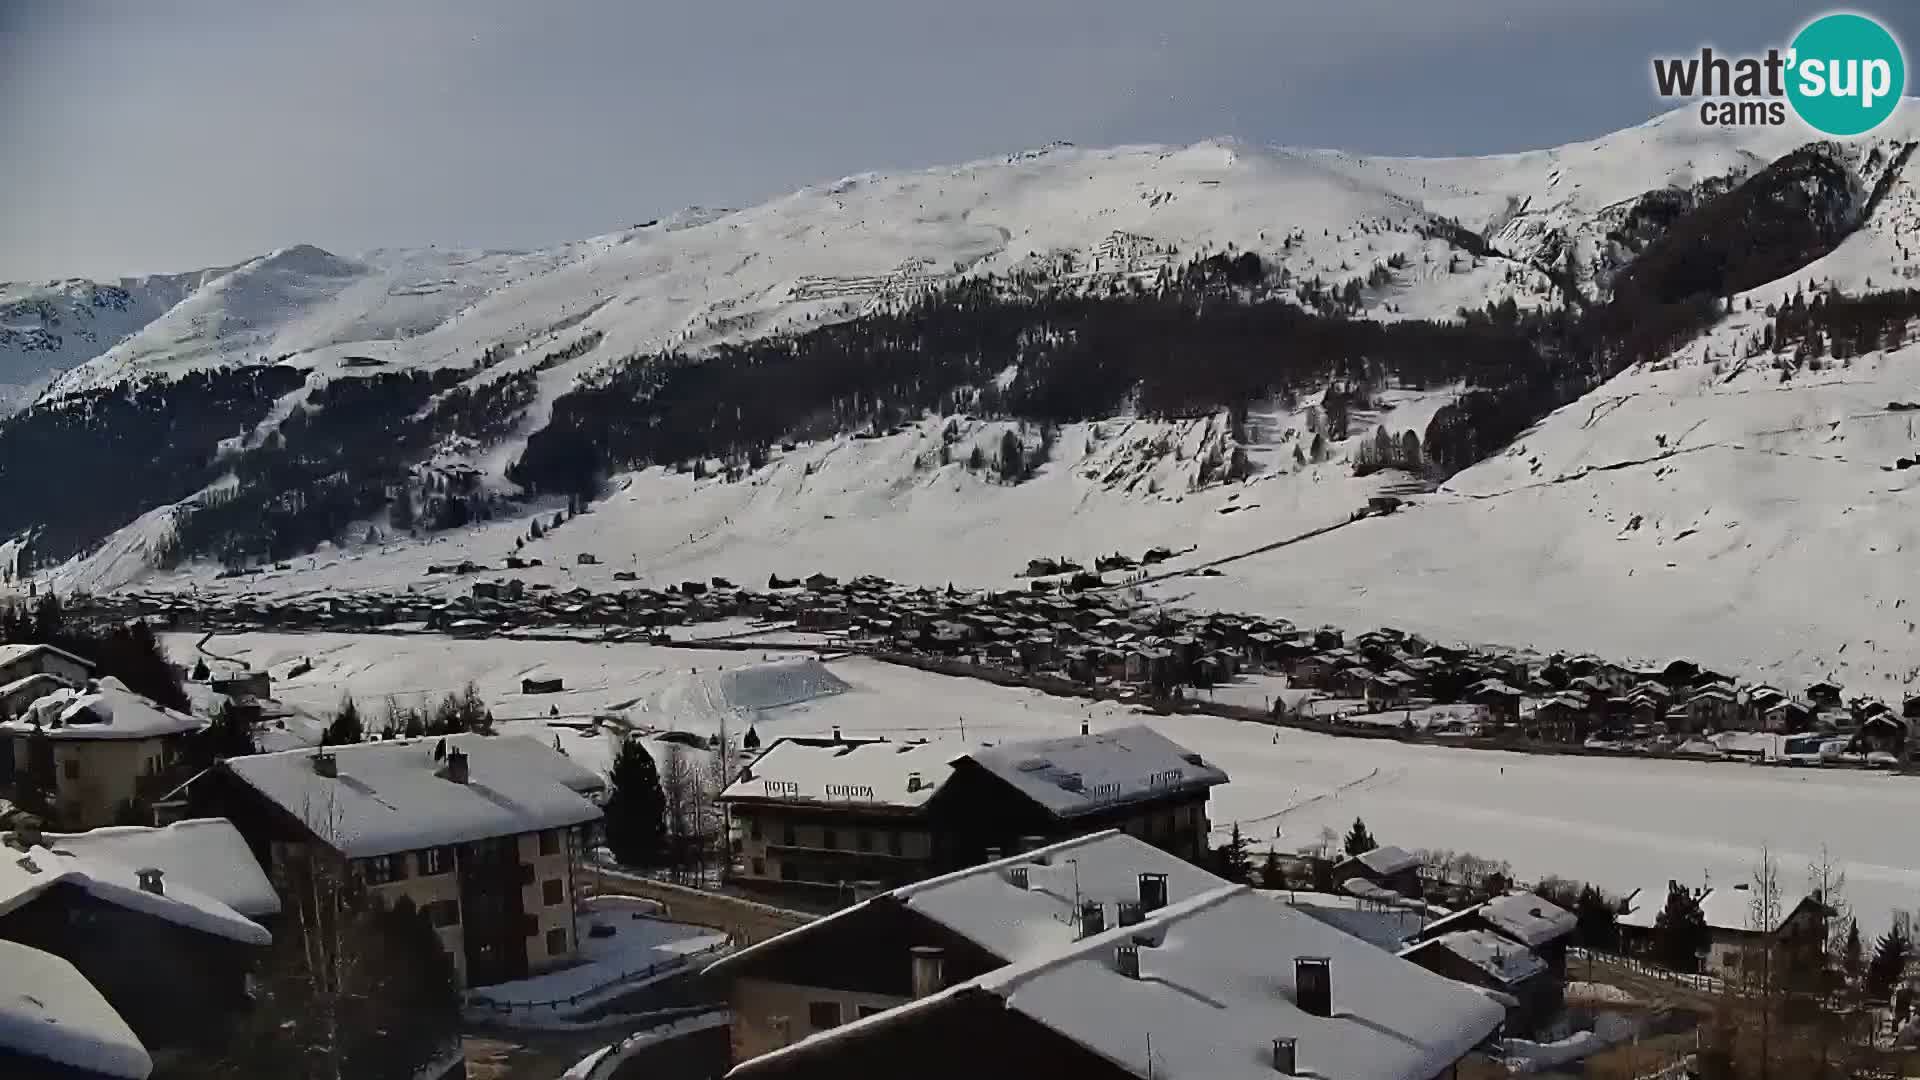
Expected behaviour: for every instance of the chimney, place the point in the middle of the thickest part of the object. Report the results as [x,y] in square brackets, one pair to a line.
[913,781]
[1093,918]
[929,970]
[1313,985]
[1126,958]
[325,764]
[1083,727]
[836,733]
[1153,892]
[993,854]
[1017,876]
[1285,1057]
[457,765]
[150,881]
[1032,843]
[1130,913]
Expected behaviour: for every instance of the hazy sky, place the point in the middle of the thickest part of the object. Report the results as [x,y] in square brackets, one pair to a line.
[169,134]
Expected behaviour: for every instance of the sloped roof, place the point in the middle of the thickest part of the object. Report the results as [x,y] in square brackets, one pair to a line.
[1527,918]
[1507,962]
[49,1011]
[25,875]
[829,771]
[387,796]
[1079,774]
[207,854]
[13,653]
[1386,860]
[109,711]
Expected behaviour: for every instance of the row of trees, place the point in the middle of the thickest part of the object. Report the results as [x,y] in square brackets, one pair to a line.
[667,815]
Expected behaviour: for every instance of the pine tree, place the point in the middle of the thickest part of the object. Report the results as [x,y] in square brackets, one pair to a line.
[1680,931]
[752,739]
[347,727]
[1889,963]
[636,808]
[1359,840]
[1232,856]
[1598,920]
[1271,875]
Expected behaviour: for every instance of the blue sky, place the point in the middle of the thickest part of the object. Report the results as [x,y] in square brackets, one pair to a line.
[149,136]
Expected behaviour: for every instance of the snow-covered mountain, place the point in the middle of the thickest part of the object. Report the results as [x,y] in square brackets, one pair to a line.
[1618,496]
[49,327]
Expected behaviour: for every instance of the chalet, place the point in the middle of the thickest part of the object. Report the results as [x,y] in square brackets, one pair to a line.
[1501,701]
[207,855]
[1884,733]
[19,661]
[1523,918]
[1564,717]
[1824,695]
[486,834]
[835,812]
[1713,709]
[1390,690]
[22,692]
[551,684]
[1788,717]
[1485,959]
[54,1025]
[170,959]
[87,755]
[1058,959]
[1798,926]
[1389,868]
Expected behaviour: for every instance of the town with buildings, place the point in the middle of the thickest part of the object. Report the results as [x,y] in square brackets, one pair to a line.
[177,881]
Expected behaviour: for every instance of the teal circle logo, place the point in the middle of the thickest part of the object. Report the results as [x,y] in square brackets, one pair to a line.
[1847,74]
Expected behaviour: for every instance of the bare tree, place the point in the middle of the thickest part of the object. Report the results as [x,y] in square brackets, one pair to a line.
[680,784]
[714,816]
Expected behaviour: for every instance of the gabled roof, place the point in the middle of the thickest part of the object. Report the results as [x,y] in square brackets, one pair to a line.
[832,771]
[26,875]
[389,796]
[1080,774]
[1385,860]
[50,1012]
[207,854]
[1503,960]
[109,711]
[10,654]
[1521,916]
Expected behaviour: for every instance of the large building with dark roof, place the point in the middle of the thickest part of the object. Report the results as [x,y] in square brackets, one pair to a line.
[838,814]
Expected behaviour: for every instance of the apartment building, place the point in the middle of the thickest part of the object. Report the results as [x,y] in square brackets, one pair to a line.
[830,813]
[486,834]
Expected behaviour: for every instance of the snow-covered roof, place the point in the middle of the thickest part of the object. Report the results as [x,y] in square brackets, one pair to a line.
[1216,988]
[1384,925]
[1388,860]
[207,854]
[838,771]
[985,905]
[388,796]
[109,711]
[1728,908]
[1505,961]
[49,1011]
[1082,773]
[10,654]
[1526,918]
[25,875]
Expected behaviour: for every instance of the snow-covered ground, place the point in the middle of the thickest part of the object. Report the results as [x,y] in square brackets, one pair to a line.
[1621,823]
[641,948]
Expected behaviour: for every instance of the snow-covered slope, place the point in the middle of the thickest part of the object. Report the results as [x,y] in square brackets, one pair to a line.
[1702,506]
[48,327]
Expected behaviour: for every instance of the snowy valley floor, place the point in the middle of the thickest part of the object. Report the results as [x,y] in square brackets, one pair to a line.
[1623,824]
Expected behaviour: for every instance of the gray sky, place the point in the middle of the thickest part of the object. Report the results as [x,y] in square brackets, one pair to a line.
[156,135]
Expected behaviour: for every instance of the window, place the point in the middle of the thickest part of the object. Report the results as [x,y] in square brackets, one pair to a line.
[863,840]
[382,869]
[436,860]
[823,1014]
[444,913]
[894,844]
[870,1010]
[829,839]
[753,828]
[786,870]
[759,868]
[556,942]
[526,873]
[550,842]
[786,835]
[553,892]
[72,767]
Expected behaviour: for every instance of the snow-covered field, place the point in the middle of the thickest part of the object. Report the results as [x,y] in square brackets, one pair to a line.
[1621,823]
